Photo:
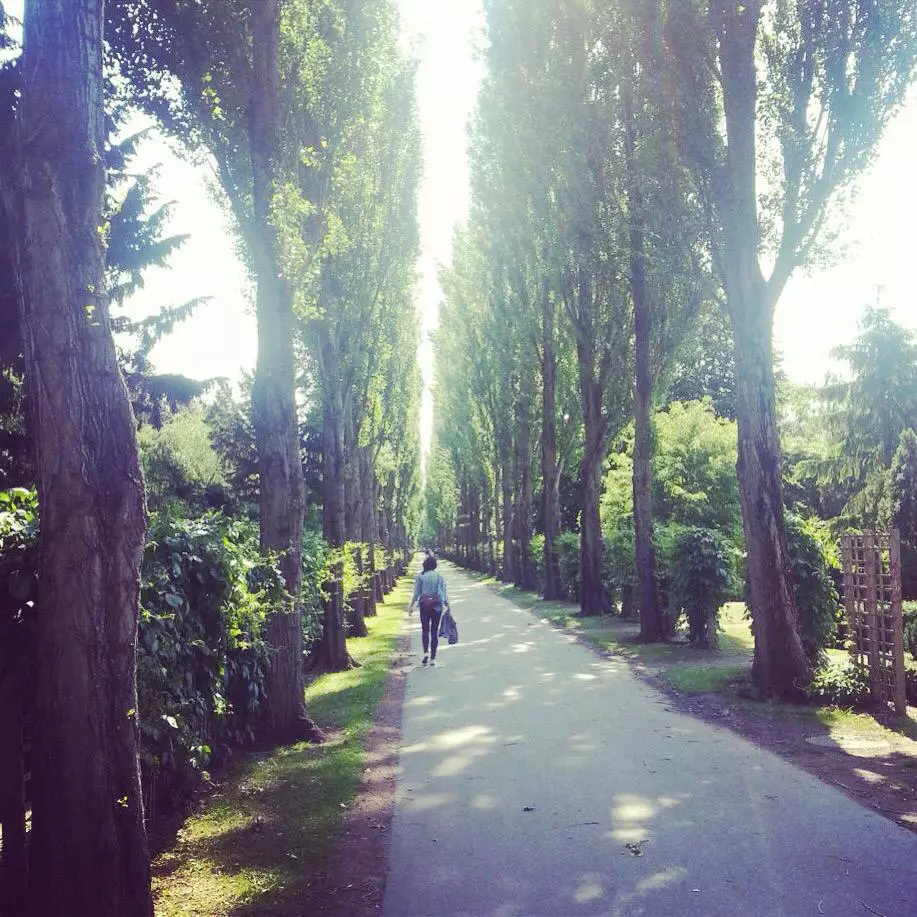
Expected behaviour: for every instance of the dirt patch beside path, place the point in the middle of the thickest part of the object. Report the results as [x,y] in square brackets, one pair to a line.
[353,883]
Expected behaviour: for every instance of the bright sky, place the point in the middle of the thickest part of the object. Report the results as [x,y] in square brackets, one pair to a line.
[817,311]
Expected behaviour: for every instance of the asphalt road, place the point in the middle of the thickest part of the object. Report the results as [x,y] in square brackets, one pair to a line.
[528,765]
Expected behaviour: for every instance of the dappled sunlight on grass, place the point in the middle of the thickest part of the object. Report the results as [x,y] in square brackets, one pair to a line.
[703,679]
[275,818]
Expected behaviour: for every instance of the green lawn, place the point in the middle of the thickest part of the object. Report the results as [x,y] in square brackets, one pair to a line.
[254,845]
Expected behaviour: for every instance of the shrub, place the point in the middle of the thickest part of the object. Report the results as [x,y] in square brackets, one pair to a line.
[200,655]
[618,568]
[813,556]
[536,553]
[910,629]
[315,558]
[206,591]
[179,461]
[839,685]
[700,582]
[568,554]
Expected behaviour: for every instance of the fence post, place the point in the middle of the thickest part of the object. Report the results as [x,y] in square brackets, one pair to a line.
[872,615]
[894,561]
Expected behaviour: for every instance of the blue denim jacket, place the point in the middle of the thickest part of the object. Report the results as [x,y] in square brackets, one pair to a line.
[430,583]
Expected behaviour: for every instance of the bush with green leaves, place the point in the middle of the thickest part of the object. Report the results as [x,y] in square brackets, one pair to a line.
[536,555]
[701,581]
[206,593]
[179,461]
[813,561]
[910,629]
[18,577]
[839,685]
[568,555]
[201,657]
[619,571]
[316,557]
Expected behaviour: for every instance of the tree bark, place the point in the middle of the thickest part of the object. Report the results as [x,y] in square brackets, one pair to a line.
[652,624]
[88,851]
[331,652]
[353,526]
[549,471]
[592,590]
[780,667]
[369,531]
[509,570]
[281,496]
[14,872]
[525,572]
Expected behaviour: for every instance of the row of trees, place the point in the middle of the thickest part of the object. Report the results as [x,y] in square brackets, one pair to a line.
[641,171]
[304,110]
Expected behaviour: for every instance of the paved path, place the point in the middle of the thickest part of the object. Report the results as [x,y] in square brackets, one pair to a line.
[517,716]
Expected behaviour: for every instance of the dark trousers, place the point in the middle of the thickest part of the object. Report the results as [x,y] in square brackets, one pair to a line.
[430,619]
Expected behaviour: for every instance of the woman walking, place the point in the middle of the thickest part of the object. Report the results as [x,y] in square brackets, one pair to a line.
[430,592]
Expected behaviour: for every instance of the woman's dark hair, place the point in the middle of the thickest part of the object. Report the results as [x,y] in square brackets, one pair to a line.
[429,563]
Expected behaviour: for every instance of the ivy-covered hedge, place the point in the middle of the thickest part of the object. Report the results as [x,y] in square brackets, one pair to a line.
[200,655]
[813,561]
[206,591]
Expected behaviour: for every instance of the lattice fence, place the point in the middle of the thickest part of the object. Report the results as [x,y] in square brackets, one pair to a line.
[872,596]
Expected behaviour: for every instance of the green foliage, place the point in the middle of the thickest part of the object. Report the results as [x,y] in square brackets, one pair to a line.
[201,655]
[18,579]
[179,461]
[813,559]
[618,567]
[206,593]
[869,413]
[902,487]
[839,685]
[704,365]
[694,468]
[694,472]
[568,553]
[316,558]
[233,438]
[910,629]
[701,581]
[536,553]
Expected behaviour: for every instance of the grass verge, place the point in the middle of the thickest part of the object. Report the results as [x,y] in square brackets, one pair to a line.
[256,844]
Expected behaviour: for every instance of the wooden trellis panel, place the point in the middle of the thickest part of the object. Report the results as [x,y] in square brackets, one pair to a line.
[872,597]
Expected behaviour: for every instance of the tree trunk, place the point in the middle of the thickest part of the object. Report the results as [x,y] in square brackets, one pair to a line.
[331,654]
[592,591]
[780,666]
[550,474]
[353,527]
[281,496]
[525,571]
[652,625]
[14,871]
[628,612]
[509,572]
[369,531]
[88,846]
